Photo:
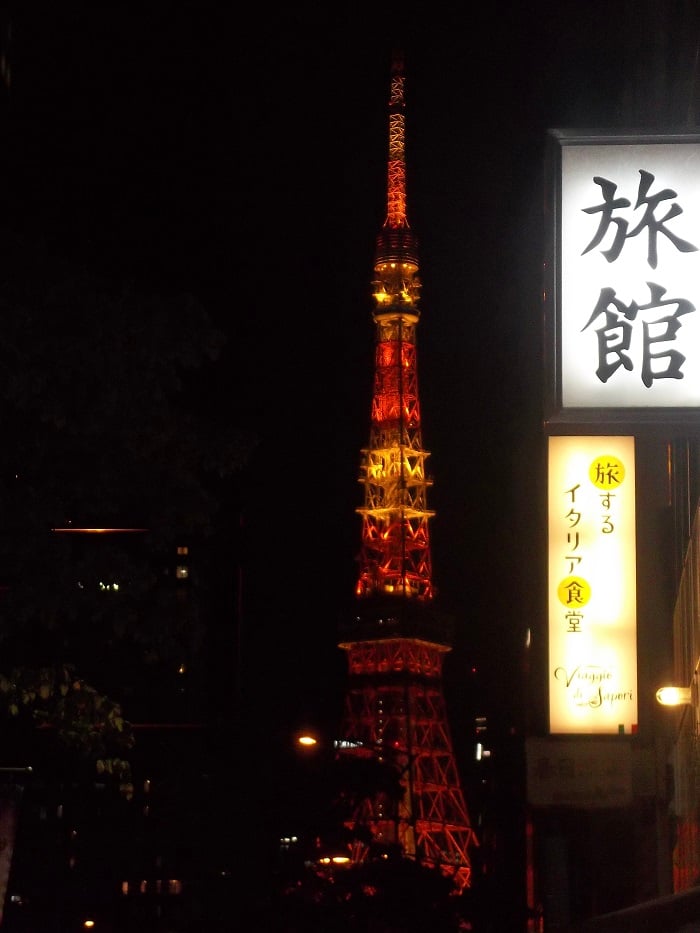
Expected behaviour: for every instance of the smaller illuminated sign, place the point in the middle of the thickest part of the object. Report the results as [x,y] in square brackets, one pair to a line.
[592,585]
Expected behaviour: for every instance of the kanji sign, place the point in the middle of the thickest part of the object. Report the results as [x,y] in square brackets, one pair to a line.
[627,282]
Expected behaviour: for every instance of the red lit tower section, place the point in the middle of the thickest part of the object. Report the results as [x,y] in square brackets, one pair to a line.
[396,642]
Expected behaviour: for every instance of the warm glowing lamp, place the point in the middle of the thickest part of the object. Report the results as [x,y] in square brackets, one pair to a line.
[307,740]
[334,860]
[674,696]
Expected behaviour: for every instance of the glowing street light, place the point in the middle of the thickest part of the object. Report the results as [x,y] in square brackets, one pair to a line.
[674,696]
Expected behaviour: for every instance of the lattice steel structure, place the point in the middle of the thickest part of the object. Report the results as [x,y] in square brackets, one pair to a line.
[396,642]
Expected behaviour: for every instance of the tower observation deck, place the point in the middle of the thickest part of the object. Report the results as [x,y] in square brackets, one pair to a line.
[396,639]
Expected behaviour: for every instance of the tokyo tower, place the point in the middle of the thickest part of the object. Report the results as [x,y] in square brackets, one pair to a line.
[394,709]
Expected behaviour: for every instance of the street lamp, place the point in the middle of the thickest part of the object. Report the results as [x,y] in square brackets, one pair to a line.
[307,740]
[674,696]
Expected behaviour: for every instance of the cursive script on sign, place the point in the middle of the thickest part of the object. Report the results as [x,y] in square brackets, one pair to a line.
[587,685]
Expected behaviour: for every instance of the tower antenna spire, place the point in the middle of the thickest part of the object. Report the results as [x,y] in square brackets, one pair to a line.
[396,188]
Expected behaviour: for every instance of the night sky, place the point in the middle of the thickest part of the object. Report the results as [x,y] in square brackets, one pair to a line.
[119,145]
[245,161]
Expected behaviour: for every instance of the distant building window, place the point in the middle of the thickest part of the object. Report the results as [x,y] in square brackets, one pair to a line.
[182,572]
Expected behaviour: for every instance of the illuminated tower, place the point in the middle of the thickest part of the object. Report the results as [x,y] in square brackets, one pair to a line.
[396,641]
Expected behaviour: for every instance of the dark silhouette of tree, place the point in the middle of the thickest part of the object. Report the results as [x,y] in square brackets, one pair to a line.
[387,893]
[382,896]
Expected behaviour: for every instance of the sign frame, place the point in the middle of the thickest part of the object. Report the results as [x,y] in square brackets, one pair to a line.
[592,585]
[558,416]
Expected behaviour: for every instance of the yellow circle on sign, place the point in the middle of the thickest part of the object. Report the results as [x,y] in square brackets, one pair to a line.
[573,592]
[607,472]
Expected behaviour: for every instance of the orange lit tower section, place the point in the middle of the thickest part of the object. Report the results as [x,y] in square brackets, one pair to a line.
[396,642]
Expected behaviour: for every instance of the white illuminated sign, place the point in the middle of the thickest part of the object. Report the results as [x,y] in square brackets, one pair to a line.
[629,303]
[592,585]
